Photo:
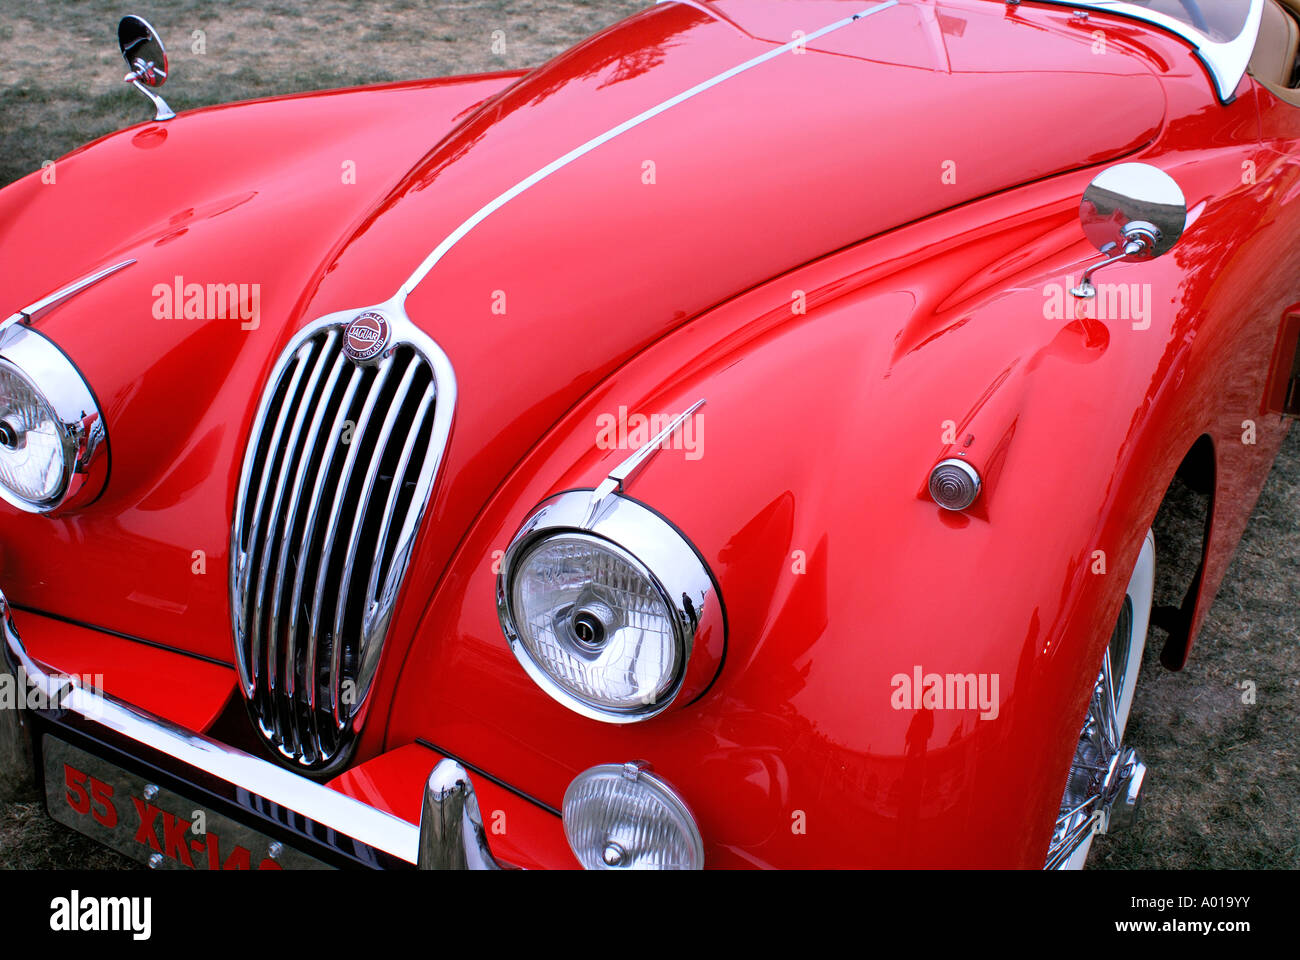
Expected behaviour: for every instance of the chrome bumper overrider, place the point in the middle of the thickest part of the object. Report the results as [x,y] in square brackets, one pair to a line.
[450,834]
[15,757]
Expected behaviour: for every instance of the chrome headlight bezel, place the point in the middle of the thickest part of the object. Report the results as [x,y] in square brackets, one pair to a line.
[670,562]
[48,372]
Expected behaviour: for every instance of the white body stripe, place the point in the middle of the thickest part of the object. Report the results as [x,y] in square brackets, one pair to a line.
[483,213]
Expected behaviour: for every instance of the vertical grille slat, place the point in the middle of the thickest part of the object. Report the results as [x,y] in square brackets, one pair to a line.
[294,501]
[250,539]
[292,535]
[345,606]
[333,440]
[328,555]
[414,437]
[337,474]
[399,514]
[273,528]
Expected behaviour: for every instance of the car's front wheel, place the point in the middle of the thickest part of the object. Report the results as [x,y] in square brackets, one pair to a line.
[1106,777]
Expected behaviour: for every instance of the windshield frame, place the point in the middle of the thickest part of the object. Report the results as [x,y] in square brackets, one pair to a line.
[1225,61]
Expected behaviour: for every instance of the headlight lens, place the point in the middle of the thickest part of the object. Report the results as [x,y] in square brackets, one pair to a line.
[33,459]
[622,817]
[609,609]
[593,618]
[53,447]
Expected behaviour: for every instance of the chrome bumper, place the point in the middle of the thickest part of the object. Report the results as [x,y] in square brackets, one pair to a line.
[450,835]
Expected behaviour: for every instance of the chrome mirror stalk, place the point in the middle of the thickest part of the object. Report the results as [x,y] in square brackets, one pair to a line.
[1133,250]
[161,110]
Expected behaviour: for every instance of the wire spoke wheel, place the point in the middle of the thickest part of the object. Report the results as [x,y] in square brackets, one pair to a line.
[1104,786]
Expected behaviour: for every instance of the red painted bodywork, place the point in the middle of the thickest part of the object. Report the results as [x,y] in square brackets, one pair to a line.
[915,180]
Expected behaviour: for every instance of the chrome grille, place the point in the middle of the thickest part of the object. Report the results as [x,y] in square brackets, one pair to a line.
[337,473]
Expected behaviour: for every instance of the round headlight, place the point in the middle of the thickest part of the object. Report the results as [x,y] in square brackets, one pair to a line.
[51,432]
[33,461]
[622,817]
[591,616]
[604,611]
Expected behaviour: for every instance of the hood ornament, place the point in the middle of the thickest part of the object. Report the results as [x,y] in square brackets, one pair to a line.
[366,337]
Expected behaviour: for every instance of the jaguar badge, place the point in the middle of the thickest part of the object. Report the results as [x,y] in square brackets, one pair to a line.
[365,337]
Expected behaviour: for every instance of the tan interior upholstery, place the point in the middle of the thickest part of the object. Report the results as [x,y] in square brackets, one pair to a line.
[1273,61]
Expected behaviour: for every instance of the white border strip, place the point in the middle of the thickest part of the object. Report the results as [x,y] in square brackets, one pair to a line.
[459,233]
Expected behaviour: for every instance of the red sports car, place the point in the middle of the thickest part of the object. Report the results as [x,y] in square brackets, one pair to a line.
[733,443]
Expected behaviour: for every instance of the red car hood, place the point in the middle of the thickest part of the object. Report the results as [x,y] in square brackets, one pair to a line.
[886,120]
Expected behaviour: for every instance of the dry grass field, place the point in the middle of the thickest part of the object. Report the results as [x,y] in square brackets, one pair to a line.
[1225,782]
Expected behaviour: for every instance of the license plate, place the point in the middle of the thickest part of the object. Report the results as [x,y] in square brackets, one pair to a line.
[152,824]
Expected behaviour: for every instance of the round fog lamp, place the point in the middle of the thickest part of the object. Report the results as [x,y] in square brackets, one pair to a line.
[954,484]
[623,817]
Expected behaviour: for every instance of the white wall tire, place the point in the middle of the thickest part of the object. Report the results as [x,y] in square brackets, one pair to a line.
[1076,827]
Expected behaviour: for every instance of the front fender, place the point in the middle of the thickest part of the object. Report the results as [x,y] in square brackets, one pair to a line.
[829,394]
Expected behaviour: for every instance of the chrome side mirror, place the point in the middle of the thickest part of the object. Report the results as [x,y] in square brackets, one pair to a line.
[146,61]
[1130,212]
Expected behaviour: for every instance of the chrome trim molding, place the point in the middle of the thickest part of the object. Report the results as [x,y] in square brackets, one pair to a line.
[1226,61]
[670,562]
[451,829]
[622,475]
[317,391]
[261,778]
[35,358]
[560,163]
[30,312]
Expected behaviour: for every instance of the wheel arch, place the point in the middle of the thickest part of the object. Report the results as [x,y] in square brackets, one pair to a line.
[1182,524]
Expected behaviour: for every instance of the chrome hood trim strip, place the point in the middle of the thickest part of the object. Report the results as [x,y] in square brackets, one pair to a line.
[29,312]
[560,163]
